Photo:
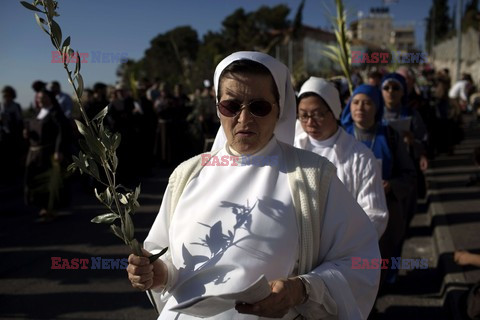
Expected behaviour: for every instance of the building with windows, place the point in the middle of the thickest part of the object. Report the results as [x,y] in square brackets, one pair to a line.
[377,28]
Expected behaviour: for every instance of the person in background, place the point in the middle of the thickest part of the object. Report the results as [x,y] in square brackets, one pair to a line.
[409,125]
[64,100]
[318,131]
[49,145]
[37,86]
[11,138]
[374,78]
[362,118]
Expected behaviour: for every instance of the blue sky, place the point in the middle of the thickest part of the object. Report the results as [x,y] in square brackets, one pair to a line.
[126,27]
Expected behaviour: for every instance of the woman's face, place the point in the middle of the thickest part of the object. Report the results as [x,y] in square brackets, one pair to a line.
[363,111]
[320,123]
[392,94]
[43,100]
[245,132]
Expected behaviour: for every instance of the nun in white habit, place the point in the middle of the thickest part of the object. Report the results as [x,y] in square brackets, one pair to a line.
[281,212]
[317,130]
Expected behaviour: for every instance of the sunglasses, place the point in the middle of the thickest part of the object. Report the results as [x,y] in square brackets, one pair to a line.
[232,108]
[394,88]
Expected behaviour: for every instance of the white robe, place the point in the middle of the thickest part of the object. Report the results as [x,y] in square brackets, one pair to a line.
[357,168]
[235,223]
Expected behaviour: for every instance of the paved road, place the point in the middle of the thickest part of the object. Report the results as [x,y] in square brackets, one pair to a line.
[29,289]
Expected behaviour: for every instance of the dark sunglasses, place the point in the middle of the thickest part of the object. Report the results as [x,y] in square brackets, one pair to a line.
[394,88]
[257,108]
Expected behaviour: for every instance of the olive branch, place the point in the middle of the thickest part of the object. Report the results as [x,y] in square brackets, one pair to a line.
[98,145]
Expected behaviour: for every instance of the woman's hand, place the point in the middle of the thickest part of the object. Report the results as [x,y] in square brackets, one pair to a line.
[145,275]
[286,294]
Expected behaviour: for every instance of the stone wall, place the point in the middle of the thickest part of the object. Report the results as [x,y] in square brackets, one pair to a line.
[444,55]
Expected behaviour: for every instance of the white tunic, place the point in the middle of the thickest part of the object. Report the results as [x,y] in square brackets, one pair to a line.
[235,223]
[357,168]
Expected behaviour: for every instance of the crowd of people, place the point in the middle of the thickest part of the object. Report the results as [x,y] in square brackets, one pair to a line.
[379,139]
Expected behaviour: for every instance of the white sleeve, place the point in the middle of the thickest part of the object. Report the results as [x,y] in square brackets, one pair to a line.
[455,91]
[157,239]
[339,291]
[371,195]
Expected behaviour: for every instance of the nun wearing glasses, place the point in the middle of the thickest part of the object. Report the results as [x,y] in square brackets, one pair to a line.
[290,220]
[317,130]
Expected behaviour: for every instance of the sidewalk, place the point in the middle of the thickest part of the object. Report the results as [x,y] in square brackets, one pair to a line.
[447,220]
[30,289]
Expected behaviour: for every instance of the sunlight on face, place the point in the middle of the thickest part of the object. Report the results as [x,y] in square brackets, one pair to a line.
[246,133]
[363,111]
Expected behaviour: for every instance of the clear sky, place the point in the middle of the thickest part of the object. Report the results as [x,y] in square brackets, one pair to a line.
[126,26]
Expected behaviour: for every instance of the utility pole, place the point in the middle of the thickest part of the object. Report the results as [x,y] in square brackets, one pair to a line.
[459,38]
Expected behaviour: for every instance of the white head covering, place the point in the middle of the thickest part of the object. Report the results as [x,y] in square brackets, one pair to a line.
[285,127]
[326,91]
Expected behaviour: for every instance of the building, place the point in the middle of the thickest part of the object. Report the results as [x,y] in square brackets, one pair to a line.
[377,28]
[403,38]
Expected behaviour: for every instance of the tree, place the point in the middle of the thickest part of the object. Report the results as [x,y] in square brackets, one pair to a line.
[438,23]
[178,56]
[469,19]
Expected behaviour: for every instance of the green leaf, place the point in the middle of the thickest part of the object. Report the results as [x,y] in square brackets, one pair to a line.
[99,196]
[81,128]
[109,196]
[101,114]
[41,23]
[77,65]
[137,192]
[72,167]
[80,85]
[106,218]
[115,162]
[127,227]
[80,164]
[56,32]
[30,6]
[66,42]
[154,257]
[95,146]
[93,169]
[123,199]
[65,50]
[116,138]
[117,231]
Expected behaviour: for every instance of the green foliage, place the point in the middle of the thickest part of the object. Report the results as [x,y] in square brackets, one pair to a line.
[439,23]
[469,19]
[191,60]
[341,52]
[98,144]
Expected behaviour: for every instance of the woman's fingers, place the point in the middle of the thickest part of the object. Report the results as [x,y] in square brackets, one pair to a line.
[140,272]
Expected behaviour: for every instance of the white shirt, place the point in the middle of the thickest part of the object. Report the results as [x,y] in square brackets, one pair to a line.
[234,223]
[357,168]
[459,90]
